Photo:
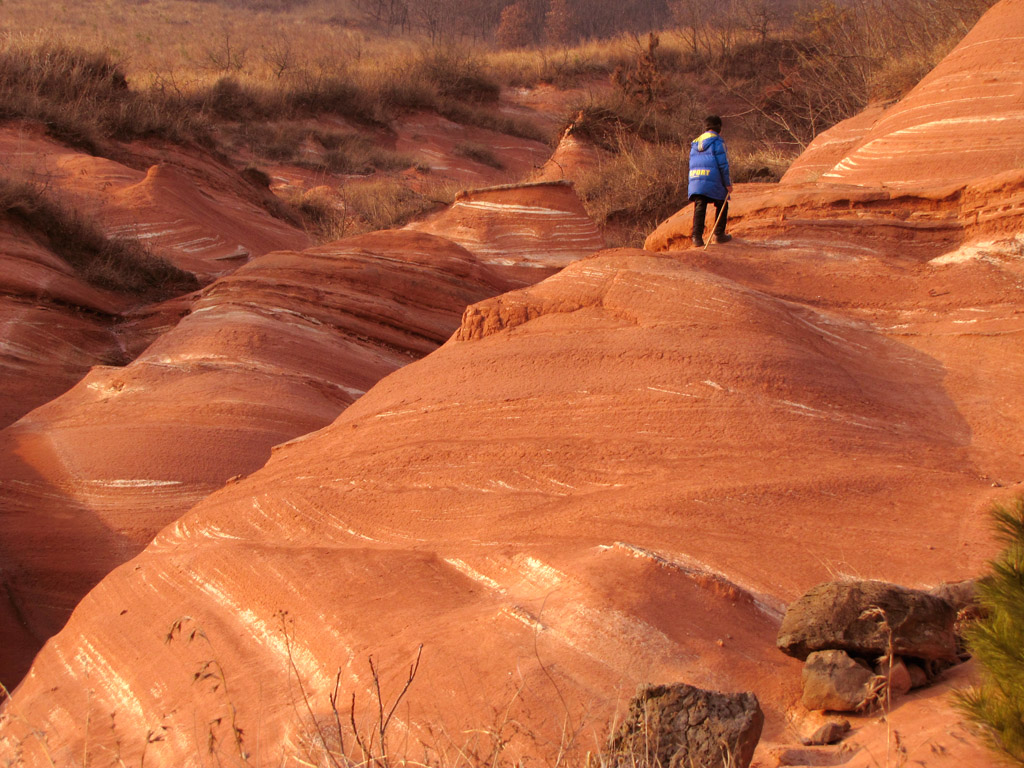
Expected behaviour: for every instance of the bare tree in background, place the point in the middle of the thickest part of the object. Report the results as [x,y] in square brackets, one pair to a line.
[388,14]
[438,18]
[561,23]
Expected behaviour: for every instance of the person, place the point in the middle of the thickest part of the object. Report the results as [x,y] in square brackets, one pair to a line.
[709,180]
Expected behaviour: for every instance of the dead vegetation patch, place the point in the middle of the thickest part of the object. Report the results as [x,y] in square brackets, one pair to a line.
[117,264]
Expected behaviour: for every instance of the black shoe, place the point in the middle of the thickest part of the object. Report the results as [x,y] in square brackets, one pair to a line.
[698,242]
[722,238]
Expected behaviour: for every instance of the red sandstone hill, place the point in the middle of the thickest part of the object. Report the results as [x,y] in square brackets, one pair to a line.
[274,351]
[618,475]
[963,121]
[55,325]
[191,210]
[525,232]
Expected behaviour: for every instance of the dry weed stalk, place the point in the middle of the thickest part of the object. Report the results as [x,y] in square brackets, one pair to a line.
[881,692]
[212,671]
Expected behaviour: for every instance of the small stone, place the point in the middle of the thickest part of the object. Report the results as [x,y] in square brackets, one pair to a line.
[807,756]
[679,725]
[833,681]
[918,677]
[897,679]
[830,733]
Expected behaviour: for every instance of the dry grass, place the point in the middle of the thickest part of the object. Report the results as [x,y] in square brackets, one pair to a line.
[84,98]
[121,264]
[381,202]
[642,185]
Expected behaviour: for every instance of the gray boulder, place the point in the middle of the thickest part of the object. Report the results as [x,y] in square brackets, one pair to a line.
[678,726]
[834,681]
[858,616]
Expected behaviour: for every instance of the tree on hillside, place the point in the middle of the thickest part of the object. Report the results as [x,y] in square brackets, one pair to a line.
[561,23]
[516,28]
[643,83]
[758,17]
[997,642]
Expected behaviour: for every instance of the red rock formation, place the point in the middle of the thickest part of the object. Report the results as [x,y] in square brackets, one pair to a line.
[572,158]
[964,121]
[524,231]
[53,326]
[561,488]
[192,210]
[831,146]
[274,351]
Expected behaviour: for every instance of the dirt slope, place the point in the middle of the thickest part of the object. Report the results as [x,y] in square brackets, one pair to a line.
[274,351]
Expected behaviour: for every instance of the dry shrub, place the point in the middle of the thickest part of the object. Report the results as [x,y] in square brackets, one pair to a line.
[637,189]
[456,74]
[83,98]
[333,94]
[468,114]
[606,119]
[384,202]
[121,264]
[308,147]
[353,153]
[759,162]
[563,67]
[229,99]
[281,142]
[478,153]
[839,56]
[387,202]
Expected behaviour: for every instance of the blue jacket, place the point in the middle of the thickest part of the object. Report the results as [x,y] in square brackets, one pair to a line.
[709,167]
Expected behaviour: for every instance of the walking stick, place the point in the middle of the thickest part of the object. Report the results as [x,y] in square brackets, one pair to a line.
[718,218]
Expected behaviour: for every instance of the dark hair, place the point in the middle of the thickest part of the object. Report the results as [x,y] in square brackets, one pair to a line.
[713,123]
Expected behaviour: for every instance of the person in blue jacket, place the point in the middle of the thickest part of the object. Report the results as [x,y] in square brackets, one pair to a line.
[709,180]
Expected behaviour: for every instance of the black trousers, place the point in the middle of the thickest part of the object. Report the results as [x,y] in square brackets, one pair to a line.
[700,208]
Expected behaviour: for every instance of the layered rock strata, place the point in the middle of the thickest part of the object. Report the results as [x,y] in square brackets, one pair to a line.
[274,351]
[525,232]
[582,480]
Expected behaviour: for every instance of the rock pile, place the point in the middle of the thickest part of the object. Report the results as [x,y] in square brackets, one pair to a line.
[865,641]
